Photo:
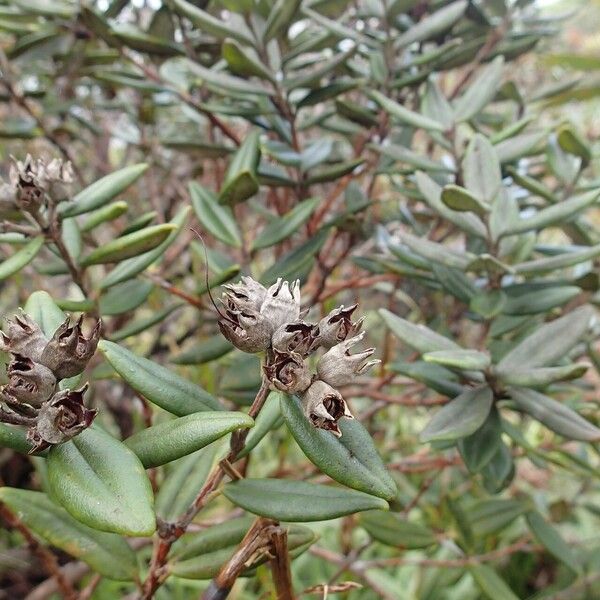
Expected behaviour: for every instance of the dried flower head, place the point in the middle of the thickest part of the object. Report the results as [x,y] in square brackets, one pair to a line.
[23,336]
[61,418]
[288,373]
[282,303]
[299,337]
[338,367]
[248,294]
[324,407]
[338,326]
[29,382]
[69,351]
[247,330]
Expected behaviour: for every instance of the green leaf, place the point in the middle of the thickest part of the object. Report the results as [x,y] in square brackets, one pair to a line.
[204,351]
[540,378]
[43,310]
[131,267]
[13,264]
[267,419]
[139,325]
[480,91]
[460,417]
[458,198]
[419,337]
[435,106]
[206,22]
[158,384]
[439,253]
[125,297]
[571,141]
[102,483]
[241,180]
[490,516]
[244,61]
[15,438]
[280,17]
[562,261]
[432,194]
[554,415]
[539,301]
[298,501]
[480,447]
[558,213]
[433,24]
[548,536]
[409,157]
[551,342]
[391,530]
[135,38]
[499,471]
[222,83]
[106,553]
[283,227]
[488,304]
[491,584]
[110,212]
[516,147]
[402,114]
[481,170]
[170,440]
[437,378]
[102,191]
[184,478]
[465,360]
[298,262]
[351,459]
[216,218]
[129,245]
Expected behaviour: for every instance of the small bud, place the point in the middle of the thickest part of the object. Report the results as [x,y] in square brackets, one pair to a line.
[69,351]
[337,326]
[245,295]
[288,373]
[299,337]
[60,419]
[324,406]
[24,337]
[29,382]
[247,330]
[282,303]
[338,367]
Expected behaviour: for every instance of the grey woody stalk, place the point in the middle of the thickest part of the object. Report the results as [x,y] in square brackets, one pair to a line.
[31,396]
[257,319]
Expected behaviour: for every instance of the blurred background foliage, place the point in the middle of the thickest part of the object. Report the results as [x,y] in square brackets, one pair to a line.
[112,84]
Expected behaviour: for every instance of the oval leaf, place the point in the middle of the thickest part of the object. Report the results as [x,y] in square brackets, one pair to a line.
[157,383]
[102,483]
[298,501]
[351,459]
[162,443]
[391,530]
[13,264]
[459,359]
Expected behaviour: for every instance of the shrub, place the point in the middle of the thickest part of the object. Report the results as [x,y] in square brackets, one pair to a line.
[298,158]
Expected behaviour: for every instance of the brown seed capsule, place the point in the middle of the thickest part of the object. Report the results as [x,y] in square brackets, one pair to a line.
[338,326]
[338,367]
[324,406]
[29,382]
[248,294]
[61,418]
[282,303]
[247,330]
[24,337]
[299,337]
[288,373]
[69,351]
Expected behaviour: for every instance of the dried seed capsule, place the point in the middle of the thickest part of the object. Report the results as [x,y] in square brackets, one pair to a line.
[288,373]
[338,326]
[299,337]
[29,382]
[61,418]
[338,367]
[282,303]
[24,337]
[247,330]
[69,351]
[324,406]
[248,294]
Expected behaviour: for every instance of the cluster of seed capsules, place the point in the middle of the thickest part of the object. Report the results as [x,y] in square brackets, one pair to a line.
[257,319]
[32,396]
